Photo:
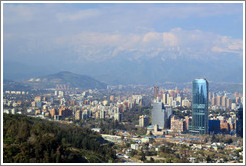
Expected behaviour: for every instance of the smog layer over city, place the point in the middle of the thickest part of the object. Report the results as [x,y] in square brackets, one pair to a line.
[122,82]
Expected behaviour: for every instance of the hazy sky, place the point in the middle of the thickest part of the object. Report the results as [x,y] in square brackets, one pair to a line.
[75,33]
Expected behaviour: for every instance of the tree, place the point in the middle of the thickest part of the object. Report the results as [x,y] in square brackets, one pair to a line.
[133,153]
[168,160]
[214,138]
[142,156]
[228,141]
[152,160]
[208,159]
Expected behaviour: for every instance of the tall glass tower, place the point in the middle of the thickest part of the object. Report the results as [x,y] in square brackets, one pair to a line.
[200,106]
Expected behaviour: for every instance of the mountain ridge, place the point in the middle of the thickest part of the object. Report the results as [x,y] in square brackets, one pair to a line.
[128,69]
[70,79]
[52,80]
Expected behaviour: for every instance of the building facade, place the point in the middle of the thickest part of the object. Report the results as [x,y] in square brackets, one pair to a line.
[239,122]
[177,125]
[143,121]
[161,114]
[200,106]
[156,89]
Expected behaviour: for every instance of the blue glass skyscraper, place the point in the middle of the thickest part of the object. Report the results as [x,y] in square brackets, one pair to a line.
[200,106]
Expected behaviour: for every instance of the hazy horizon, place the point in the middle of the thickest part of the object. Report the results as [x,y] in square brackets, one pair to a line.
[121,43]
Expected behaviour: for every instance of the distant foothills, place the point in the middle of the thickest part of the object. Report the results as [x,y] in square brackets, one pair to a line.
[69,80]
[144,70]
[62,79]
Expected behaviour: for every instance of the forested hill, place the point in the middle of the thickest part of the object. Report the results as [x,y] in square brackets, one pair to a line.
[31,140]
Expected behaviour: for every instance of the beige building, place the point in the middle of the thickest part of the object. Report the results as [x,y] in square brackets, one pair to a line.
[177,125]
[143,121]
[78,115]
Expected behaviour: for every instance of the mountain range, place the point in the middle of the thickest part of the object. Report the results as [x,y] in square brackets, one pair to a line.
[128,69]
[66,78]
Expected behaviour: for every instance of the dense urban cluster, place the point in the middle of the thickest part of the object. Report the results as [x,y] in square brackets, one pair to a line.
[146,124]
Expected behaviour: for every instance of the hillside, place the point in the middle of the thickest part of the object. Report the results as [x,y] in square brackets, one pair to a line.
[13,86]
[31,140]
[66,78]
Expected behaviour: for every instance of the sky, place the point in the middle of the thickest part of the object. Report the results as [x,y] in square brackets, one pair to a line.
[63,33]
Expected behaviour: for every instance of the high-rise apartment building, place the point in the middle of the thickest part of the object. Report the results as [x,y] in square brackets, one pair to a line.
[63,111]
[164,98]
[102,114]
[238,100]
[170,100]
[200,106]
[143,121]
[118,116]
[156,89]
[53,112]
[209,96]
[228,103]
[177,125]
[78,115]
[179,99]
[187,123]
[219,100]
[213,101]
[224,101]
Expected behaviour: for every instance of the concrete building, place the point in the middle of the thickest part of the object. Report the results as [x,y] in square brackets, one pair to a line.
[143,121]
[170,101]
[53,112]
[219,100]
[78,115]
[118,116]
[161,114]
[102,114]
[177,125]
[156,91]
[228,103]
[165,97]
[179,100]
[186,103]
[233,106]
[187,123]
[65,112]
[224,101]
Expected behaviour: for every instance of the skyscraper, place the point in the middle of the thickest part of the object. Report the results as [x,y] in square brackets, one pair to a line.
[239,122]
[200,106]
[102,114]
[118,115]
[161,115]
[156,89]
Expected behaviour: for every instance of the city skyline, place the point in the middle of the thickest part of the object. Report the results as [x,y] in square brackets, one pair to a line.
[139,119]
[123,82]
